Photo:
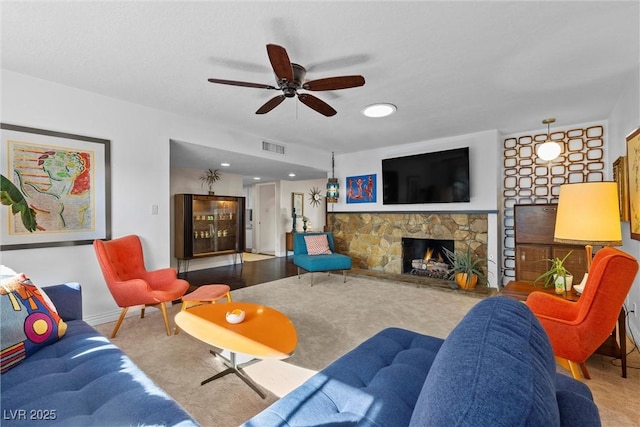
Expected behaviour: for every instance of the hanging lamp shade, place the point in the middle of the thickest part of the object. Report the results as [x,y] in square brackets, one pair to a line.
[332,184]
[332,190]
[549,149]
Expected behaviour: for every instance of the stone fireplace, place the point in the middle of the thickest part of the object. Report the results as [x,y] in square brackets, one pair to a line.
[373,240]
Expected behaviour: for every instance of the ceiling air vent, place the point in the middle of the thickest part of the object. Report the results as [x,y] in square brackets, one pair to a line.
[274,148]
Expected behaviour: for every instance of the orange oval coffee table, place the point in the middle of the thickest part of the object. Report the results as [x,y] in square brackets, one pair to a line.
[264,333]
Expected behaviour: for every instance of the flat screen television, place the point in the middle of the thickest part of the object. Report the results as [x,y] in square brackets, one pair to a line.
[438,177]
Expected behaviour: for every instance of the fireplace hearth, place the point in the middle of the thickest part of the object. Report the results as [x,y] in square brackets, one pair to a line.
[426,257]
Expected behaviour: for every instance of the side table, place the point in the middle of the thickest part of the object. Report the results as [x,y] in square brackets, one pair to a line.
[612,347]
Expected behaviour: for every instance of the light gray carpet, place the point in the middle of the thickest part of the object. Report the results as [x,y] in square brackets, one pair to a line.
[331,318]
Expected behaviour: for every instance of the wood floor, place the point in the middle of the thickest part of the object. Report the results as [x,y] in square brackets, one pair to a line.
[243,275]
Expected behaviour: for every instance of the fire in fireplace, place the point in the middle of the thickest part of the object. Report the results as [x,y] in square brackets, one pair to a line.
[425,257]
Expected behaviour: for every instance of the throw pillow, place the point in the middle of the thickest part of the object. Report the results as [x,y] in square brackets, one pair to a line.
[317,244]
[29,323]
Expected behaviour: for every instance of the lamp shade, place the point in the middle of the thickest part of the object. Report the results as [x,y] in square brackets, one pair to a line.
[549,150]
[332,190]
[588,214]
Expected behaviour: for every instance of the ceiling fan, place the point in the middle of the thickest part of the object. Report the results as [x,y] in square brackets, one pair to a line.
[290,79]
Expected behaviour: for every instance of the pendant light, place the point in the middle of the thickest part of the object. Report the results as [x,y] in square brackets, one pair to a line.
[549,149]
[332,184]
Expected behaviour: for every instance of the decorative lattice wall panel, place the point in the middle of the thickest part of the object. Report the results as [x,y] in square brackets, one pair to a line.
[529,179]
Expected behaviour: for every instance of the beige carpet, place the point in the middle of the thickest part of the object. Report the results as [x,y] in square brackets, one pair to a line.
[331,318]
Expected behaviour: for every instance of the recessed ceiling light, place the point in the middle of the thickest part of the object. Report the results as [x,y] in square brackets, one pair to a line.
[225,164]
[292,174]
[379,110]
[256,178]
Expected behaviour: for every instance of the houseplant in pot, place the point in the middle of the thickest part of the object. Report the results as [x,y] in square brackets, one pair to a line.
[209,177]
[557,274]
[467,268]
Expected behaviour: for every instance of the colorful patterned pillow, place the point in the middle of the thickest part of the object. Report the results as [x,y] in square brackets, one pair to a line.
[317,244]
[29,321]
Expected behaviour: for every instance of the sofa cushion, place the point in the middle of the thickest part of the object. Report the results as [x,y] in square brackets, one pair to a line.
[29,321]
[495,368]
[83,380]
[317,244]
[375,384]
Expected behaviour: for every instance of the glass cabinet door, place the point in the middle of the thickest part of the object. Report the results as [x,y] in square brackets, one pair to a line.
[215,225]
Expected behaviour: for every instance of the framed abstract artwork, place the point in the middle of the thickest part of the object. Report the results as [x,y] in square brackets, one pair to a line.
[55,188]
[361,189]
[620,176]
[633,160]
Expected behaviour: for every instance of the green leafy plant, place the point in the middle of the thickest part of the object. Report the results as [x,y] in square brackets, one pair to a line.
[466,263]
[209,177]
[557,269]
[11,196]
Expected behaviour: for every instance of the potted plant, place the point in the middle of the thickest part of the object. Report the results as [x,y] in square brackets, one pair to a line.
[557,274]
[209,177]
[467,268]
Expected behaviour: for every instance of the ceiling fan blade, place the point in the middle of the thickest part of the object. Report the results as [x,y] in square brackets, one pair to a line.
[334,83]
[271,104]
[244,84]
[317,104]
[280,62]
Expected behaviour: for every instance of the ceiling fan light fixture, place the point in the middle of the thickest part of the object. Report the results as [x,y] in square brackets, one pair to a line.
[379,110]
[549,149]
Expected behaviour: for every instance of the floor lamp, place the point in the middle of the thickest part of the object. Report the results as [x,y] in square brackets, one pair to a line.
[588,214]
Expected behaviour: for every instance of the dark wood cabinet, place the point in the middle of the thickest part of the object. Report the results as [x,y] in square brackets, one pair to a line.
[208,225]
[534,229]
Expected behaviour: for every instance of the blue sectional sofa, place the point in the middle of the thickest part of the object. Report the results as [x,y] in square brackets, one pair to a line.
[83,380]
[318,263]
[496,368]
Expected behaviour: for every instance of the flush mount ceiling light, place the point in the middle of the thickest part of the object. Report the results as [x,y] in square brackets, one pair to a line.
[549,149]
[379,110]
[225,164]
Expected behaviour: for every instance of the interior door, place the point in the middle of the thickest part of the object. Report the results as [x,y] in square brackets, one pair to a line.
[267,219]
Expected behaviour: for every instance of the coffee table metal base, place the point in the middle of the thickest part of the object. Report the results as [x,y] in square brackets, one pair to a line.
[235,368]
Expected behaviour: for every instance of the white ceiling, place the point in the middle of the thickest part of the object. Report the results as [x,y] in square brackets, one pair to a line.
[450,67]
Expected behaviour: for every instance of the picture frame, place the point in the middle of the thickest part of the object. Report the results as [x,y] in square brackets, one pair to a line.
[633,171]
[297,204]
[362,189]
[620,176]
[62,186]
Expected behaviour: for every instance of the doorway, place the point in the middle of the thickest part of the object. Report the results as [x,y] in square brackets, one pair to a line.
[266,219]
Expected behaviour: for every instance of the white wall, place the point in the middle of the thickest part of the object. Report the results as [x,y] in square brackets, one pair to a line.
[484,168]
[625,118]
[140,162]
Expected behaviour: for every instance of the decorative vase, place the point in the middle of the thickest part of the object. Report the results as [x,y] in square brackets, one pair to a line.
[304,226]
[466,283]
[563,284]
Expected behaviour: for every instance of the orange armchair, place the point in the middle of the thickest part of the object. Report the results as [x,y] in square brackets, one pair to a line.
[130,283]
[577,329]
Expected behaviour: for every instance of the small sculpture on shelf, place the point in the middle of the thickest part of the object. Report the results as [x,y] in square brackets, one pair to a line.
[293,229]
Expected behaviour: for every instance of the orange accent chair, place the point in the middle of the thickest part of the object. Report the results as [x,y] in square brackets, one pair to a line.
[578,328]
[130,284]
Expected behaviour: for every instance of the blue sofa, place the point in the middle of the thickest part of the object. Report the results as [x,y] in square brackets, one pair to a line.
[496,368]
[83,380]
[317,263]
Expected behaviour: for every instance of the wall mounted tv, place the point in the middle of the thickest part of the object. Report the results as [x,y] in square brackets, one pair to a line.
[438,177]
